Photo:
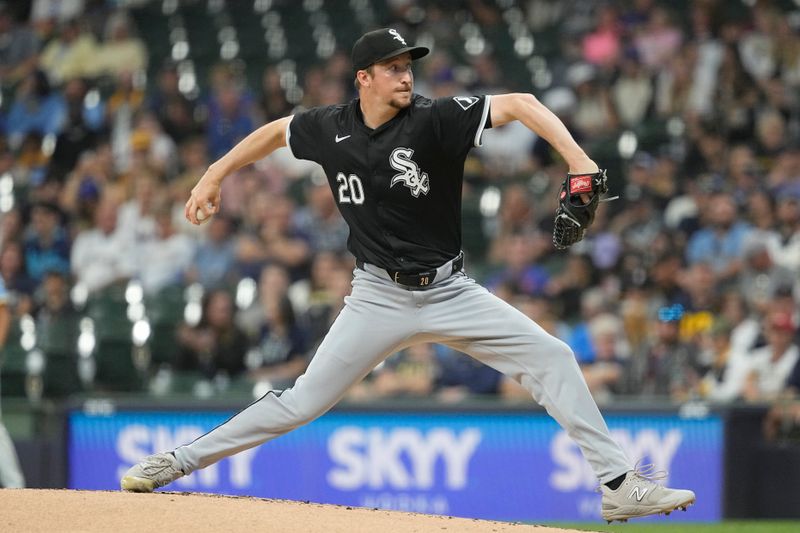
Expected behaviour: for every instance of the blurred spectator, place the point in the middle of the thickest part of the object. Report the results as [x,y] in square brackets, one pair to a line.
[163,260]
[102,255]
[320,220]
[36,108]
[667,366]
[280,353]
[743,173]
[785,246]
[761,211]
[787,51]
[507,151]
[136,220]
[757,47]
[519,269]
[11,226]
[229,118]
[570,283]
[658,40]
[745,327]
[80,131]
[46,243]
[214,261]
[594,112]
[32,165]
[771,137]
[632,92]
[674,86]
[173,109]
[71,54]
[736,96]
[603,45]
[459,375]
[150,147]
[273,98]
[593,304]
[409,373]
[721,382]
[327,299]
[760,277]
[192,163]
[699,283]
[216,346]
[516,215]
[785,170]
[275,239]
[120,51]
[770,367]
[605,374]
[18,47]
[19,286]
[666,276]
[639,223]
[721,242]
[82,190]
[273,284]
[125,95]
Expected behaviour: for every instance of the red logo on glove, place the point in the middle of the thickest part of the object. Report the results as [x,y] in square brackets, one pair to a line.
[580,184]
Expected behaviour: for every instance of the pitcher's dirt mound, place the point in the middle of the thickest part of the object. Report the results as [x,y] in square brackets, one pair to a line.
[118,512]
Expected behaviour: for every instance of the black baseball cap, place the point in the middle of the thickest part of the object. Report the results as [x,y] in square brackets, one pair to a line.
[380,45]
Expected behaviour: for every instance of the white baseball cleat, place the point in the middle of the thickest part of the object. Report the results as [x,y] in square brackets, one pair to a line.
[152,472]
[639,495]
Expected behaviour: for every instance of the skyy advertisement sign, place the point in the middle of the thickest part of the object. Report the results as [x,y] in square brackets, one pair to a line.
[502,466]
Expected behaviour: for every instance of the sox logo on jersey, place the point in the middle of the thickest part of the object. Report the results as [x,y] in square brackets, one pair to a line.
[410,175]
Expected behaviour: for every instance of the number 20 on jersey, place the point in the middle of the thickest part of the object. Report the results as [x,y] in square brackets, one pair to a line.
[350,189]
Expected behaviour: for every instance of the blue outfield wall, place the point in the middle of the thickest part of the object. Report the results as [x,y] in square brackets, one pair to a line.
[503,466]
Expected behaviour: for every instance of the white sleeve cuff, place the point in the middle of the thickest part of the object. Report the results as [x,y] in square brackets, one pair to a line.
[482,125]
[289,135]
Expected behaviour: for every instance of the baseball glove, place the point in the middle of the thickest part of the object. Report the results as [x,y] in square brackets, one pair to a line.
[573,216]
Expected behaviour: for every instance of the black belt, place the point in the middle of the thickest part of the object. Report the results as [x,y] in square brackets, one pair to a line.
[417,279]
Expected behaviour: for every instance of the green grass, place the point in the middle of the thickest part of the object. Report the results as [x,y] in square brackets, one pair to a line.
[752,526]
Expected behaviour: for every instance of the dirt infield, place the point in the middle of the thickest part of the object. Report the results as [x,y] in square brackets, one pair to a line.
[96,511]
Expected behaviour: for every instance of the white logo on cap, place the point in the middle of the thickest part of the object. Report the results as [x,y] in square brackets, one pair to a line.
[398,36]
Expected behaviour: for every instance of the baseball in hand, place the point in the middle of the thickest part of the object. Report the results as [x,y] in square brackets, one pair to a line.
[201,217]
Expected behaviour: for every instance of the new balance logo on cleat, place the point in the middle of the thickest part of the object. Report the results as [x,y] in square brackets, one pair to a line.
[639,495]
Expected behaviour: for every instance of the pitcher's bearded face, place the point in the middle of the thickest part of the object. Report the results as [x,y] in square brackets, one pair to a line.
[393,80]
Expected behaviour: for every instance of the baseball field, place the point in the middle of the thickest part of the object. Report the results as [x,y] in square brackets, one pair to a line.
[32,510]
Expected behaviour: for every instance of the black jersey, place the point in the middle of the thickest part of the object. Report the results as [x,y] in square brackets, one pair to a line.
[398,186]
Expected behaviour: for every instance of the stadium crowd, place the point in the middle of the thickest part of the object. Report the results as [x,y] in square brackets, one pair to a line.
[686,288]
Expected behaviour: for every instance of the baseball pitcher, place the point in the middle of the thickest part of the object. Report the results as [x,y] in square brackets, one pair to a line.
[395,162]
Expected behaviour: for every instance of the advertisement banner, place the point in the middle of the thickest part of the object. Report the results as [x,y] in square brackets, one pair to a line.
[502,466]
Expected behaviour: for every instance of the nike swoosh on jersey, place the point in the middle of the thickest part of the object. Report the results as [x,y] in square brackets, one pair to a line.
[340,139]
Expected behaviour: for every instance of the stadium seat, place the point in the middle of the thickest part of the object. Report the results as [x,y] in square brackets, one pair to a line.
[114,350]
[164,312]
[57,338]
